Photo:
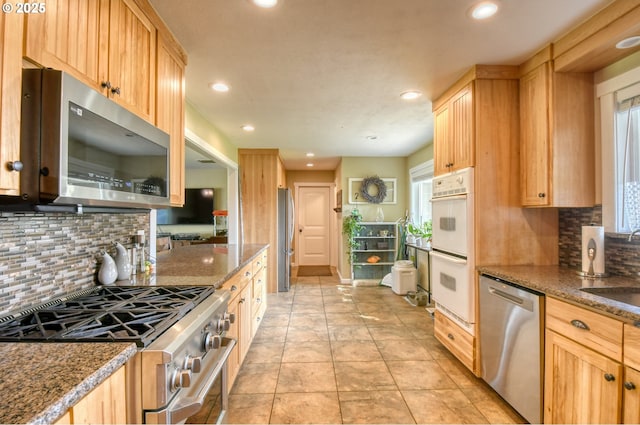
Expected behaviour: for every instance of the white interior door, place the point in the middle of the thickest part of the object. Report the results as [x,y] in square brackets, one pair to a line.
[313,235]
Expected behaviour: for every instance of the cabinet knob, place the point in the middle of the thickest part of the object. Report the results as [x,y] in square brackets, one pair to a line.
[15,166]
[451,337]
[106,84]
[115,90]
[609,377]
[630,385]
[541,195]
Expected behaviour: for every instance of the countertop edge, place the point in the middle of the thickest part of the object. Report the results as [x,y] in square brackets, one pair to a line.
[565,284]
[56,410]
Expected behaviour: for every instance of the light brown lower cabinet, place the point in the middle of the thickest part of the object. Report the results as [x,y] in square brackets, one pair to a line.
[105,404]
[581,385]
[631,396]
[591,367]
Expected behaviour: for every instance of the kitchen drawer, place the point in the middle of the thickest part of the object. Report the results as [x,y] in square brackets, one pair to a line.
[631,346]
[259,262]
[239,280]
[595,331]
[258,315]
[259,289]
[456,339]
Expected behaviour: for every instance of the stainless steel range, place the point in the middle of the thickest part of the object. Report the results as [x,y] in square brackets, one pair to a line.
[180,332]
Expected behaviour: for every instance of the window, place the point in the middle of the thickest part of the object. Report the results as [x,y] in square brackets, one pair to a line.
[619,105]
[627,145]
[421,177]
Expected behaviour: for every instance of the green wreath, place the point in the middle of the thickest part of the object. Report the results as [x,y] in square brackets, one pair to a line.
[379,184]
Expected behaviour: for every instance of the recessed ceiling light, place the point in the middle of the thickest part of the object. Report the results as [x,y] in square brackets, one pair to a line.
[628,42]
[410,95]
[248,127]
[484,10]
[309,164]
[265,3]
[372,138]
[220,87]
[310,154]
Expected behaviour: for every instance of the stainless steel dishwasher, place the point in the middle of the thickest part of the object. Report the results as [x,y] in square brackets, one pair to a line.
[511,344]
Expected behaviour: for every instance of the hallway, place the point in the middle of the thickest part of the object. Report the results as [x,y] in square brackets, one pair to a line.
[332,353]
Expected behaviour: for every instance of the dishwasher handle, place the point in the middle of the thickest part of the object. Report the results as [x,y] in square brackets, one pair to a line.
[525,303]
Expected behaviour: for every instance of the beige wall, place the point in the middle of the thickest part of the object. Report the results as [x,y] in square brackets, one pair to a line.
[311,176]
[423,154]
[195,122]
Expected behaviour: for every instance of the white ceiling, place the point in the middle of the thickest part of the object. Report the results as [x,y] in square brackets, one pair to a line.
[323,75]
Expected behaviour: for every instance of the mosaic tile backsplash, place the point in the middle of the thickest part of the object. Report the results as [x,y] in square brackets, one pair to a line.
[43,256]
[621,257]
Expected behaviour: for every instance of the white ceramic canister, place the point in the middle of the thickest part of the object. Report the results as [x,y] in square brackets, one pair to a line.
[123,262]
[108,272]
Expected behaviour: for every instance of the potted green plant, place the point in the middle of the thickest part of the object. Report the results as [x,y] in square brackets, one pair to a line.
[422,233]
[351,227]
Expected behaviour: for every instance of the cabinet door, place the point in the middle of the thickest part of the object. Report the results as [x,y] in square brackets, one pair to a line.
[631,398]
[233,362]
[581,386]
[441,154]
[132,59]
[170,115]
[461,128]
[535,136]
[244,313]
[52,39]
[11,25]
[105,404]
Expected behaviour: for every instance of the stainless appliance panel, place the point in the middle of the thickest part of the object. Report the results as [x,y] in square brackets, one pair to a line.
[89,149]
[511,344]
[285,238]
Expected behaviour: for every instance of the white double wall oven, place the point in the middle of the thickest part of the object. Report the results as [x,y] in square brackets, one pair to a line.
[452,247]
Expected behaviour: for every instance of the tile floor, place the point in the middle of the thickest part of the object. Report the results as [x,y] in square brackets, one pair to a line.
[330,353]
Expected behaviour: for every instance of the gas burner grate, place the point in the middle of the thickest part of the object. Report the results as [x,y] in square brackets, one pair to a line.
[122,313]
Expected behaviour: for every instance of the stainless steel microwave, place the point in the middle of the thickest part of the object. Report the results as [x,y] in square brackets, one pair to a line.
[79,147]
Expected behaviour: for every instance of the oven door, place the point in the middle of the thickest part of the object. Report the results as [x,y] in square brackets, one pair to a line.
[453,287]
[211,386]
[450,224]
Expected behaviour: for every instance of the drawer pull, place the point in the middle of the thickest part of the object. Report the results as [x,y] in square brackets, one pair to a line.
[247,274]
[233,288]
[451,337]
[609,377]
[630,385]
[580,324]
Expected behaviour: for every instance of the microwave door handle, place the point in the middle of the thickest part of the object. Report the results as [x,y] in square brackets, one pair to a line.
[449,258]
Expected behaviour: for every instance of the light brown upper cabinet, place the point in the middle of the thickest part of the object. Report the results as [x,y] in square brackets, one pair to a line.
[110,45]
[170,111]
[10,92]
[453,133]
[557,138]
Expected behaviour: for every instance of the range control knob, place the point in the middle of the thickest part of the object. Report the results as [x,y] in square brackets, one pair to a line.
[230,316]
[224,324]
[212,342]
[194,364]
[181,379]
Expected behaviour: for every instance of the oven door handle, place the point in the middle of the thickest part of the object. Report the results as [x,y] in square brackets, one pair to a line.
[449,198]
[185,407]
[449,258]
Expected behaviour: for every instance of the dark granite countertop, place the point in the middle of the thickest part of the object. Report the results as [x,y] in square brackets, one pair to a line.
[41,381]
[565,283]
